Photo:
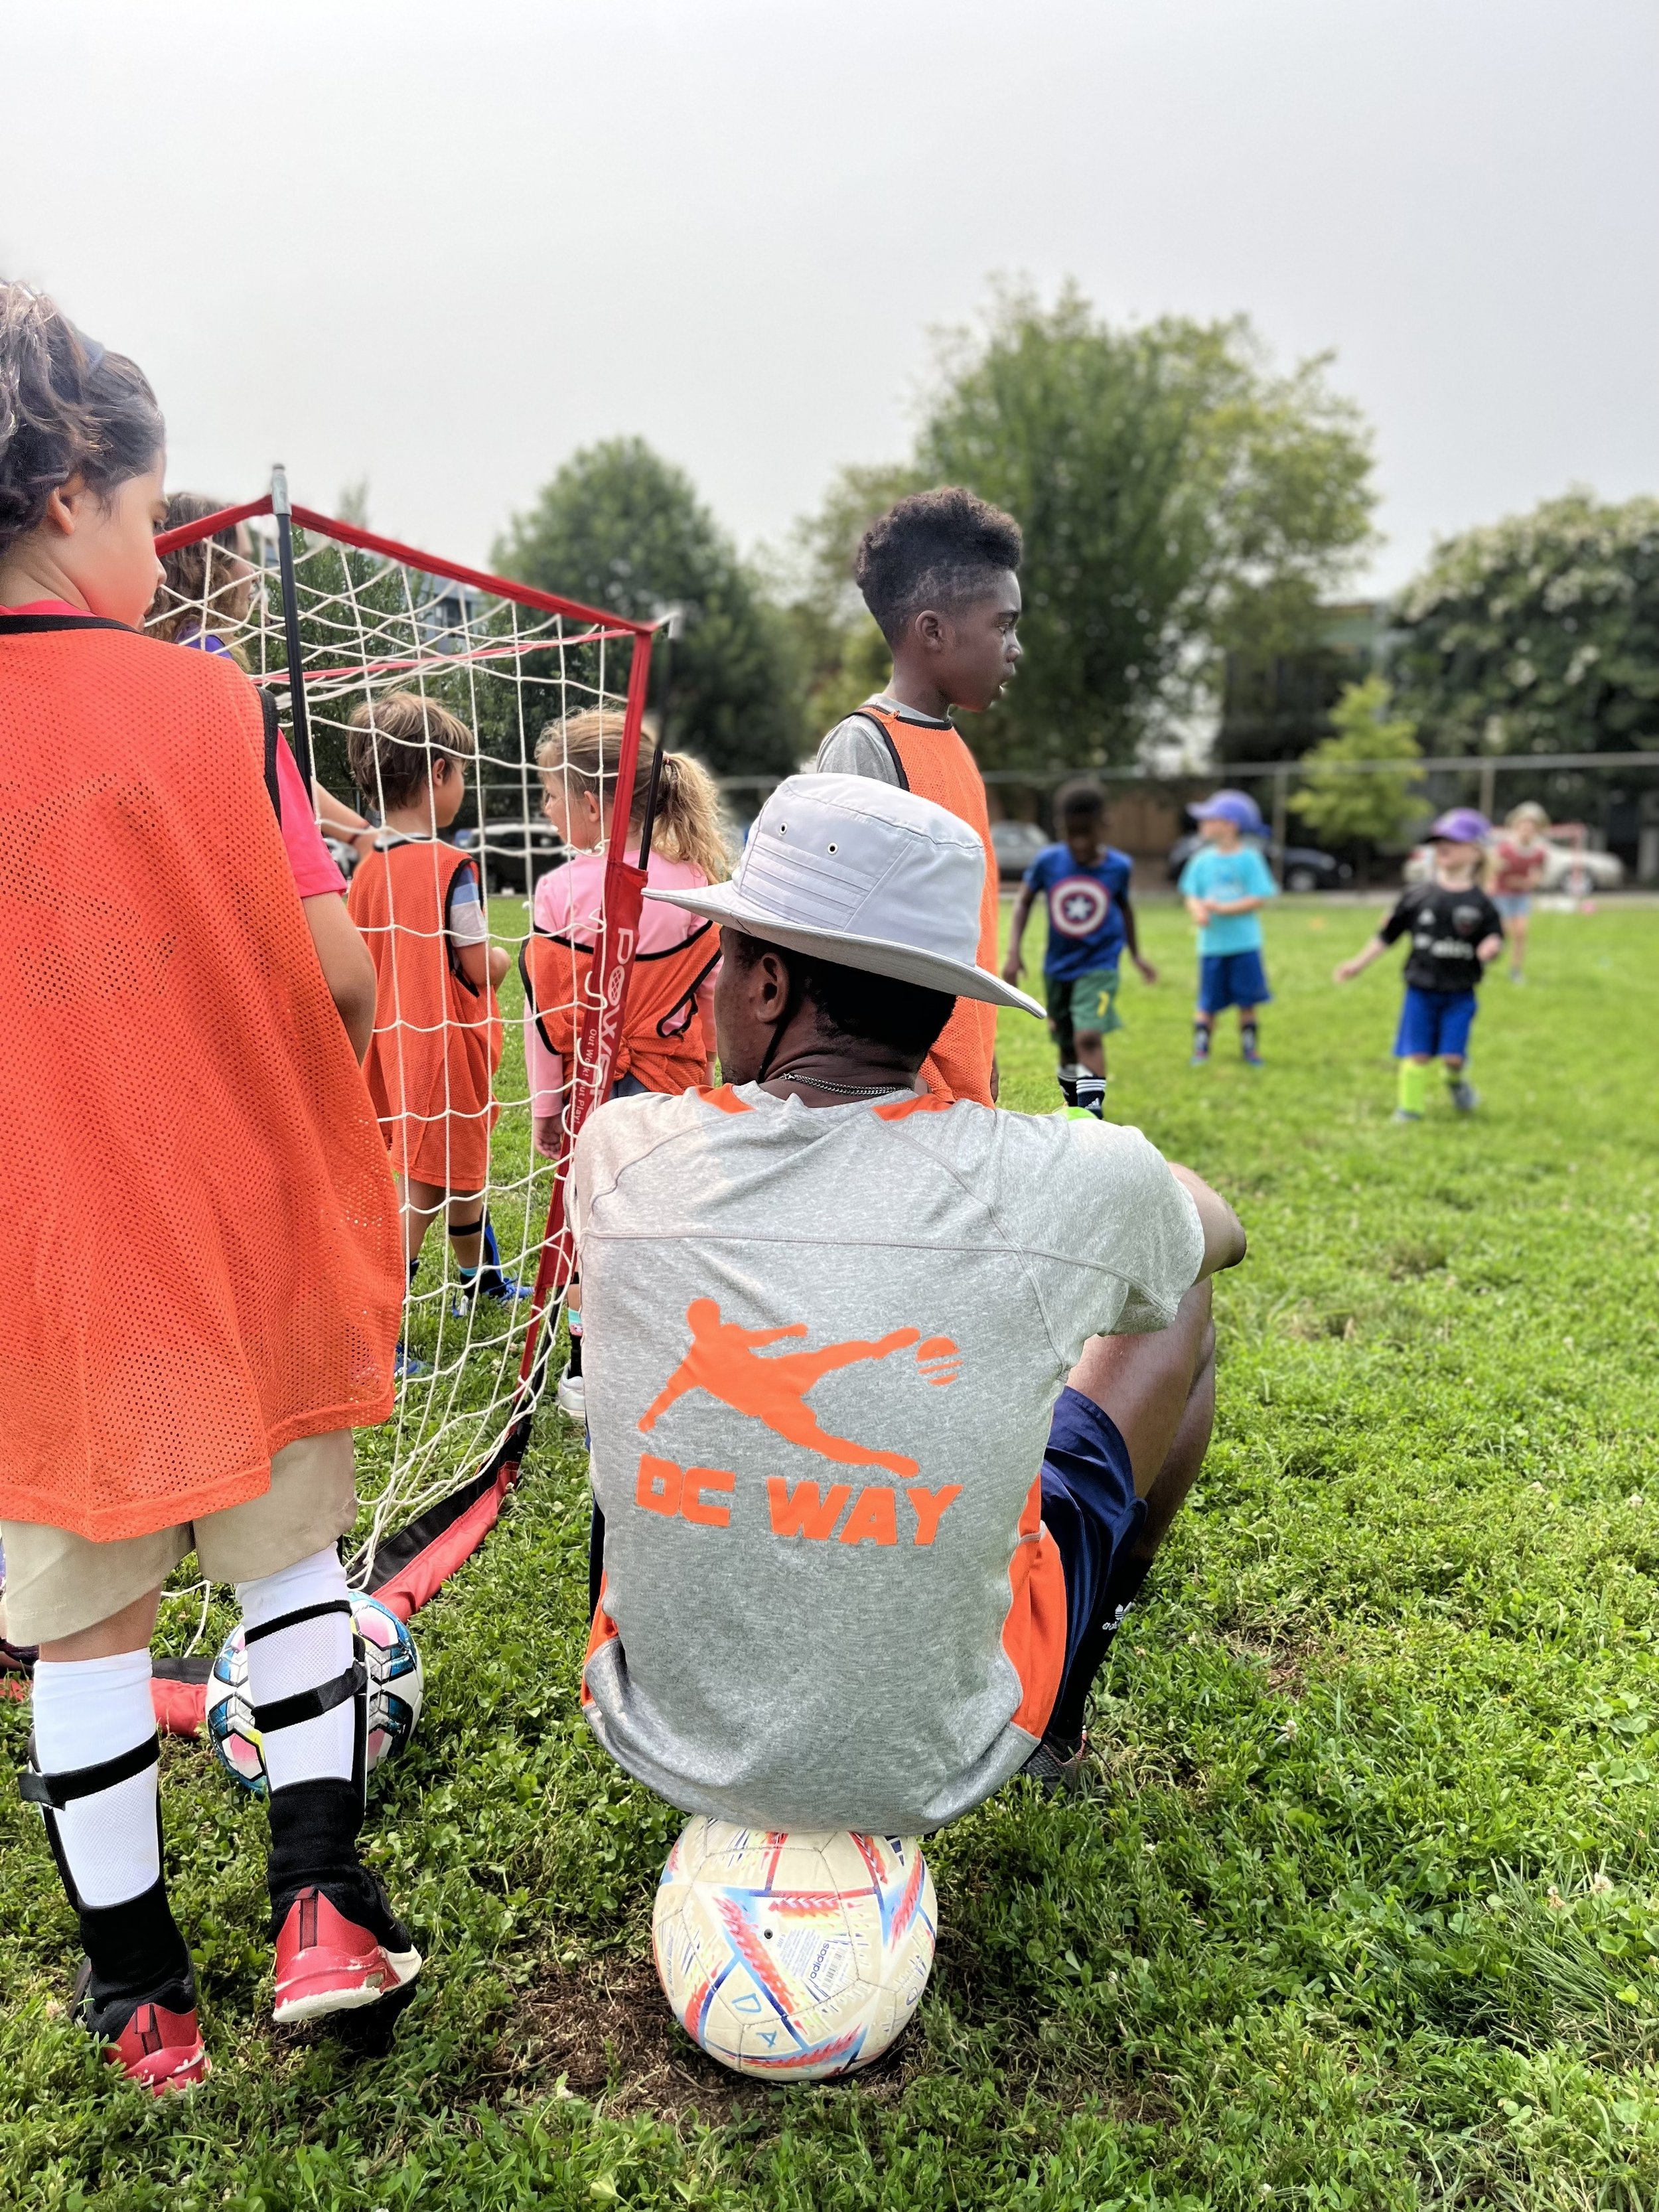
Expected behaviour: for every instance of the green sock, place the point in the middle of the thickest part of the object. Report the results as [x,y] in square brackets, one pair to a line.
[1413,1086]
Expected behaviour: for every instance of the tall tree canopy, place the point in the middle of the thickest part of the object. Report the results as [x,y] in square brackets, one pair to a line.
[1179,499]
[620,527]
[1538,634]
[1343,805]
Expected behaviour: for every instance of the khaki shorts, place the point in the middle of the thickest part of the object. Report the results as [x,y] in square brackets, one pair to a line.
[58,1583]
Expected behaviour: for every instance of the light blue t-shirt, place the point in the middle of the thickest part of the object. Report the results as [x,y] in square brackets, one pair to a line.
[1242,873]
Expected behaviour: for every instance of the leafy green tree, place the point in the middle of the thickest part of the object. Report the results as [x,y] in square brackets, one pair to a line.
[1346,806]
[1179,499]
[620,527]
[1540,634]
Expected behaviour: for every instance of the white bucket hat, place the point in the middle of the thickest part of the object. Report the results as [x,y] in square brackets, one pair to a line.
[866,875]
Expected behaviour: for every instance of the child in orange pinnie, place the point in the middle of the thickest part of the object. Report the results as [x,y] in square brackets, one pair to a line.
[437,1039]
[197,1309]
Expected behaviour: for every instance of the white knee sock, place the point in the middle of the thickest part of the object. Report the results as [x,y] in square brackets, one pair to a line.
[85,1712]
[302,1657]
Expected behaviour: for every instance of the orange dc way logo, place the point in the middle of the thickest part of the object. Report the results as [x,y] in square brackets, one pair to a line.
[726,1361]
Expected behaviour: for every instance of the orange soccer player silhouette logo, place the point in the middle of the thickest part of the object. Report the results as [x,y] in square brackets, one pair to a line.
[725,1361]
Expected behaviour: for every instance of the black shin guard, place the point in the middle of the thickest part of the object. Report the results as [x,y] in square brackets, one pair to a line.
[314,1824]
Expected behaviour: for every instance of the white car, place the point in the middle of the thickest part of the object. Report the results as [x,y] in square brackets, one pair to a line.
[1568,868]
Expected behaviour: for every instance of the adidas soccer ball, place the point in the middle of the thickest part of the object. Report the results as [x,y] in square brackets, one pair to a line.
[394,1695]
[793,1957]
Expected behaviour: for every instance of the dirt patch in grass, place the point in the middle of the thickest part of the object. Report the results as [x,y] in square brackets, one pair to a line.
[606,2028]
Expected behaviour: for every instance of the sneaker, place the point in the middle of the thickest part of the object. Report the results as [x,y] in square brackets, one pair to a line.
[1056,1769]
[1404,1114]
[154,2039]
[1200,1057]
[489,1283]
[1464,1097]
[404,1364]
[339,1947]
[1252,1058]
[570,1397]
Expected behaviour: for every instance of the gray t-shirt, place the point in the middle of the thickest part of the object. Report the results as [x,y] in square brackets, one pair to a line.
[821,1349]
[856,746]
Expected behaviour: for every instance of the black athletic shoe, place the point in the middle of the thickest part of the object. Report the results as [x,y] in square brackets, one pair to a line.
[1057,1767]
[152,2037]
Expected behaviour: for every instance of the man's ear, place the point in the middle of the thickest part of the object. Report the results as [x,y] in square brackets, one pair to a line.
[770,980]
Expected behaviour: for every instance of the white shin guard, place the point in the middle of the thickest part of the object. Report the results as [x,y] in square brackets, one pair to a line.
[93,1773]
[304,1674]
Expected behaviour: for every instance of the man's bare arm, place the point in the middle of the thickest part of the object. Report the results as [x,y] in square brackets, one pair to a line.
[1224,1232]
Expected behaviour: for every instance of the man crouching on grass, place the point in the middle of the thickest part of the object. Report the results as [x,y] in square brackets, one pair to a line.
[892,1401]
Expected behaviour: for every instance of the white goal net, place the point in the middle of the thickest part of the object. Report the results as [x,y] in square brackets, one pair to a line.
[495,663]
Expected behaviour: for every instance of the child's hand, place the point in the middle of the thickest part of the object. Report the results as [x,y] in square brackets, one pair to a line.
[1346,971]
[1011,969]
[1488,949]
[1148,973]
[1200,910]
[547,1135]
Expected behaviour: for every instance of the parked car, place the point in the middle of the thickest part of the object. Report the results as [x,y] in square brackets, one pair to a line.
[516,854]
[1016,844]
[1298,867]
[1569,869]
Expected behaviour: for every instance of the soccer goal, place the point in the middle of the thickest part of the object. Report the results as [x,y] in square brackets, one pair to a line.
[326,618]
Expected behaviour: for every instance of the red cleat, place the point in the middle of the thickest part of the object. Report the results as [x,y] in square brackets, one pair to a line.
[330,1959]
[156,2045]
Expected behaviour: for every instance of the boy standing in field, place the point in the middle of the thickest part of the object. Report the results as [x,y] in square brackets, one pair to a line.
[939,572]
[1454,930]
[1225,883]
[437,1032]
[1085,882]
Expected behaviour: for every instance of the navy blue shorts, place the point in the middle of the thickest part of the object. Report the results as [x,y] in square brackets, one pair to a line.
[1230,979]
[1436,1023]
[1089,1508]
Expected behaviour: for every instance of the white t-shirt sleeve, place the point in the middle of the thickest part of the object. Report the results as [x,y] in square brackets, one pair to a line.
[1113,1241]
[856,747]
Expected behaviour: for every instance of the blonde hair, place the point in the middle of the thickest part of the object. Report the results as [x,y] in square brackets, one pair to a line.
[582,751]
[392,742]
[1528,810]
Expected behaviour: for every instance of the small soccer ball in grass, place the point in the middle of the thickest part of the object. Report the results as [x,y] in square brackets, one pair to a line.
[795,1957]
[394,1695]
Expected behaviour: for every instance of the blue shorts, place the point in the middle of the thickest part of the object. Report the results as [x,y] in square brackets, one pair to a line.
[1435,1023]
[1514,906]
[1230,979]
[1089,1508]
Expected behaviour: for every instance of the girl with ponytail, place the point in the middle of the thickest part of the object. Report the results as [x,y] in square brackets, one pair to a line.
[667,1043]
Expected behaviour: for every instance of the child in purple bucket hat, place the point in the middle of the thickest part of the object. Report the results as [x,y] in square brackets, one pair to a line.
[1454,930]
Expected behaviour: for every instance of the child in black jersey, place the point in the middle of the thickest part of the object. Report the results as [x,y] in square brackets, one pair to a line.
[1456,930]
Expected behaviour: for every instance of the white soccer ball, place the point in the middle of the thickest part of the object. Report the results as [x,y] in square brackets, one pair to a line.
[797,1956]
[395,1681]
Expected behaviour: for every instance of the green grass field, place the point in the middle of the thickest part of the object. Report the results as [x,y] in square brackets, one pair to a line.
[1362,1907]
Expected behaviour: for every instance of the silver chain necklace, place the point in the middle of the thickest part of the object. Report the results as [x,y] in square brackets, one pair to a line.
[846,1090]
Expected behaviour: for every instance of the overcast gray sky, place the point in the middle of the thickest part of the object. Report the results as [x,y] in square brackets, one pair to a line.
[442,246]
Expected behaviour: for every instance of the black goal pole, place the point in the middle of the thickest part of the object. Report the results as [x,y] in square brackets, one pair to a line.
[670,631]
[299,720]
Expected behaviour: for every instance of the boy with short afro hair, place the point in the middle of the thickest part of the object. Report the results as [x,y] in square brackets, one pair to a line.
[939,574]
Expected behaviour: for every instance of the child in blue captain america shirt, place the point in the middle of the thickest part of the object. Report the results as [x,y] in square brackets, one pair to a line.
[1085,882]
[1225,884]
